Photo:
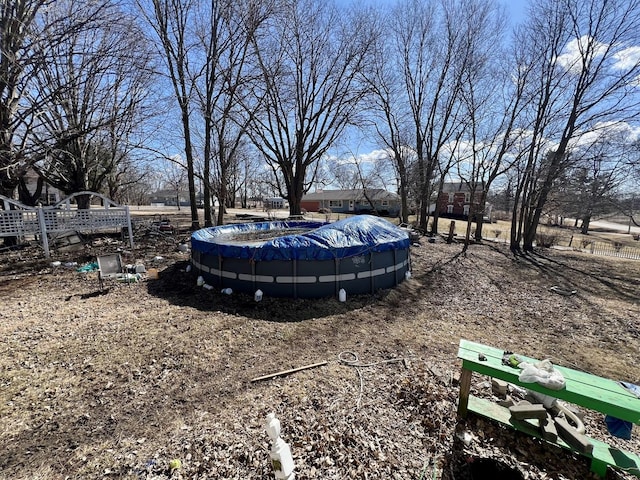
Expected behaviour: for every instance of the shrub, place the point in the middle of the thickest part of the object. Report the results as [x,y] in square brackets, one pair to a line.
[546,240]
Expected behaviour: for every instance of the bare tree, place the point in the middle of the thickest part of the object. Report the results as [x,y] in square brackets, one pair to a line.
[366,172]
[389,108]
[598,175]
[24,41]
[343,175]
[96,80]
[309,58]
[128,184]
[584,69]
[225,40]
[432,51]
[171,21]
[247,184]
[493,100]
[173,176]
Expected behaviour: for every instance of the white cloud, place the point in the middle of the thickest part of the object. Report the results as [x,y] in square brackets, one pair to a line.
[462,149]
[627,58]
[623,131]
[373,156]
[572,58]
[359,158]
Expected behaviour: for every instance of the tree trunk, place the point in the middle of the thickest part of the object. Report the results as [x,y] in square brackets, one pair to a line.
[195,222]
[206,198]
[436,218]
[206,174]
[84,202]
[479,214]
[479,224]
[586,220]
[222,197]
[467,235]
[26,196]
[402,188]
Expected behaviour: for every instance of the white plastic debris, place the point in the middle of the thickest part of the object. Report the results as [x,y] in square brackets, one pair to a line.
[129,277]
[466,438]
[227,291]
[280,453]
[200,281]
[342,295]
[407,275]
[258,295]
[56,264]
[207,286]
[188,269]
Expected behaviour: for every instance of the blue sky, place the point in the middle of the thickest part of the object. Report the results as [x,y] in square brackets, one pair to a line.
[516,10]
[364,147]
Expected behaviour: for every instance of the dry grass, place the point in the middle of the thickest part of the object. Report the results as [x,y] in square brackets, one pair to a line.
[115,384]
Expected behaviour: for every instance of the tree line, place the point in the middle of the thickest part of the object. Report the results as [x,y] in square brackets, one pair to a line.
[242,94]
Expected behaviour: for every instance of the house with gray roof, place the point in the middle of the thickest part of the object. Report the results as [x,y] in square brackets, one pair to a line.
[357,201]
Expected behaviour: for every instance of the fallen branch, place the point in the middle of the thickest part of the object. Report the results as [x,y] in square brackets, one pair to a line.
[287,372]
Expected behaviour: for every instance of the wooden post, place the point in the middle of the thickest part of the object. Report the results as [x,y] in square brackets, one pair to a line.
[43,232]
[452,229]
[129,227]
[465,386]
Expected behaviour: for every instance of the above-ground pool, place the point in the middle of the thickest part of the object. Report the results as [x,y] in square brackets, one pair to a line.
[303,259]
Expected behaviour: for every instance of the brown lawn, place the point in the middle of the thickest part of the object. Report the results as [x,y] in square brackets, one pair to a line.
[115,384]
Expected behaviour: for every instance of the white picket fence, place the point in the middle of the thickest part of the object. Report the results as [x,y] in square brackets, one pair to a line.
[614,250]
[18,220]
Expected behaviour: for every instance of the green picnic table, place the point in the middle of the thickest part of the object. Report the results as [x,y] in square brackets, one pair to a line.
[584,389]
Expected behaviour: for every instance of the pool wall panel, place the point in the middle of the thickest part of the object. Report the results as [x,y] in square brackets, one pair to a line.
[358,269]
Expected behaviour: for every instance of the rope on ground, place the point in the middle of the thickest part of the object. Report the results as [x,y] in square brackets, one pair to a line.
[351,359]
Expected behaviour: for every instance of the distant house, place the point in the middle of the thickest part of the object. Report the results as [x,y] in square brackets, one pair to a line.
[49,195]
[171,198]
[353,201]
[275,203]
[455,200]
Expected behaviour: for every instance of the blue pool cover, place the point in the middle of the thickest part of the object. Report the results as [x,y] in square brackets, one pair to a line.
[321,241]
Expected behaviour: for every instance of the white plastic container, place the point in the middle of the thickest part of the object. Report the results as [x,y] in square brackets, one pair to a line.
[342,295]
[227,291]
[207,286]
[281,458]
[258,295]
[200,281]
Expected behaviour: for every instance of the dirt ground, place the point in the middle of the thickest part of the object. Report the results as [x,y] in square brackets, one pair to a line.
[119,382]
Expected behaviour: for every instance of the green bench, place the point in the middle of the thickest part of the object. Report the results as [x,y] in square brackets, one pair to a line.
[589,391]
